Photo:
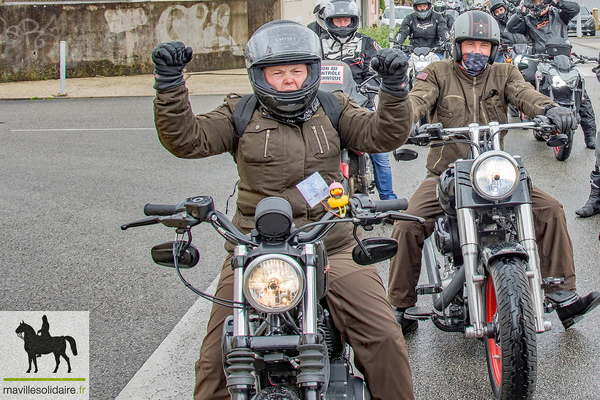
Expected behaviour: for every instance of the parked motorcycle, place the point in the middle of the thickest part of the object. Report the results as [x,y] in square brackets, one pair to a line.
[280,342]
[558,78]
[482,262]
[356,166]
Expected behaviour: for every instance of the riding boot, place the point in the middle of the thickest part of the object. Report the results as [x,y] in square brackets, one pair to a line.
[590,140]
[593,204]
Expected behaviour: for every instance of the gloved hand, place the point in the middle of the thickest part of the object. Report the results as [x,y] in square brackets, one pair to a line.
[597,69]
[169,61]
[523,10]
[562,117]
[555,3]
[391,65]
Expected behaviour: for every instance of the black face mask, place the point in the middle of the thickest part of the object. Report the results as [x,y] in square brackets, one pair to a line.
[474,63]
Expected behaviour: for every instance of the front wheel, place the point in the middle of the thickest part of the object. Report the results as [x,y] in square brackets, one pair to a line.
[563,152]
[511,351]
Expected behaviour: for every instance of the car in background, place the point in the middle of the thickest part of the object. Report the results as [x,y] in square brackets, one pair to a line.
[400,12]
[588,25]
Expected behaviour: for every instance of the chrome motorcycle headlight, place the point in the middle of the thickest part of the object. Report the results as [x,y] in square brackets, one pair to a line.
[558,82]
[495,176]
[274,283]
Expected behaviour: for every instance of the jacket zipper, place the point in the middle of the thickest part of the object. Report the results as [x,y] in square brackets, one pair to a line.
[325,136]
[267,135]
[475,106]
[317,137]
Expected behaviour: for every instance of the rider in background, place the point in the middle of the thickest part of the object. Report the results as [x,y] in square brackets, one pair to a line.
[318,25]
[342,42]
[592,206]
[441,7]
[279,150]
[423,27]
[468,88]
[540,20]
[502,11]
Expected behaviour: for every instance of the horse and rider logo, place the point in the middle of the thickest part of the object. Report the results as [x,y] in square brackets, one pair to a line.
[41,343]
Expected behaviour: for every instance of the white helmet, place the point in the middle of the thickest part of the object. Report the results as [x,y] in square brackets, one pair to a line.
[319,12]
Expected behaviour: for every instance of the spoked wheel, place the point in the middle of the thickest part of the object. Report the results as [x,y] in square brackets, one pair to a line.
[563,152]
[511,351]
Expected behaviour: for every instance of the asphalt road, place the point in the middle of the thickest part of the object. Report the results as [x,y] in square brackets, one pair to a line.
[73,170]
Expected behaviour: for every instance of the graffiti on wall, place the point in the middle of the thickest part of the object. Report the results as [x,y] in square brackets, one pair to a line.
[125,20]
[199,28]
[27,40]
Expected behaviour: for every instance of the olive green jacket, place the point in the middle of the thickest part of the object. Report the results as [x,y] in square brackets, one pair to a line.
[456,99]
[273,156]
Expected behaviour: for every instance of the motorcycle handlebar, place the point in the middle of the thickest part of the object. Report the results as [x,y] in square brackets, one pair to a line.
[390,205]
[160,209]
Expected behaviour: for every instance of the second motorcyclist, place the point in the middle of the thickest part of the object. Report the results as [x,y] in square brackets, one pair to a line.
[441,90]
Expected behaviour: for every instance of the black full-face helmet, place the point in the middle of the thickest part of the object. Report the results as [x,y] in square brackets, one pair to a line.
[278,43]
[475,25]
[440,7]
[422,14]
[342,9]
[496,4]
[537,10]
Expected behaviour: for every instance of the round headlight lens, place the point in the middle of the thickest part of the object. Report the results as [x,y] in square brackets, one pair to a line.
[495,177]
[274,283]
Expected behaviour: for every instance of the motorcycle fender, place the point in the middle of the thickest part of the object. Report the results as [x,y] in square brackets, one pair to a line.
[501,249]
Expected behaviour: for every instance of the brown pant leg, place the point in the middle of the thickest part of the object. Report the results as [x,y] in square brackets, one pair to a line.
[363,315]
[405,267]
[554,244]
[210,378]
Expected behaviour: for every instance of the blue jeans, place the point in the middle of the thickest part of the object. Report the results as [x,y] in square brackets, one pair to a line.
[383,175]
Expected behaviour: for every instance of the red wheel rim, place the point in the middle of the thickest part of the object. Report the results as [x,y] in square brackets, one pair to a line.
[491,310]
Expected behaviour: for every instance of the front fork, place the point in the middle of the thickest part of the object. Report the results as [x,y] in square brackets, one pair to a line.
[311,365]
[474,280]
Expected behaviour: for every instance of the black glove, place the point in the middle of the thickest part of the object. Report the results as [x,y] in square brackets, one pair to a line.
[391,65]
[562,117]
[169,61]
[555,3]
[523,10]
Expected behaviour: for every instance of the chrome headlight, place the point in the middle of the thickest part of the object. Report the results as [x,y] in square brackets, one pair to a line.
[274,283]
[495,176]
[558,82]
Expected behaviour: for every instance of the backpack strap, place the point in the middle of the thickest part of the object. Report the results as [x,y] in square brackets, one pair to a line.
[332,107]
[241,118]
[246,106]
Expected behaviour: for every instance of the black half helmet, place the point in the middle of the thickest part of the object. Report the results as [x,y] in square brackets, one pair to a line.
[422,14]
[278,43]
[475,25]
[496,4]
[342,9]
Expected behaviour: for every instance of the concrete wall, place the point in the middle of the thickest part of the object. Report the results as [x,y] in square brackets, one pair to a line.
[110,39]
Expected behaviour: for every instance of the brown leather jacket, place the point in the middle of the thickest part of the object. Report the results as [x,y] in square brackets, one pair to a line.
[273,156]
[456,99]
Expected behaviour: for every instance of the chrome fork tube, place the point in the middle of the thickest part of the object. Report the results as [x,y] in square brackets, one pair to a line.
[494,127]
[240,315]
[470,251]
[526,234]
[475,136]
[309,307]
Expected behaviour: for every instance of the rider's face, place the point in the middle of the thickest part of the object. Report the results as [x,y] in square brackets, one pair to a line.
[476,46]
[285,78]
[422,7]
[499,11]
[537,2]
[342,21]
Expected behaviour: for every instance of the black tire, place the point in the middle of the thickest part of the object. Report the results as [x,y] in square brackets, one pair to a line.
[511,353]
[563,152]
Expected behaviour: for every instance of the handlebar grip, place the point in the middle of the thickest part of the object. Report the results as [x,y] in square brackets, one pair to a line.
[160,209]
[390,205]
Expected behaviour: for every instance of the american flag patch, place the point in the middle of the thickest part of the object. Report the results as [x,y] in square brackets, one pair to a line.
[422,75]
